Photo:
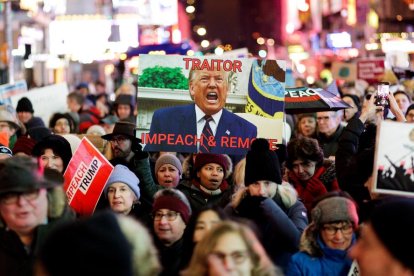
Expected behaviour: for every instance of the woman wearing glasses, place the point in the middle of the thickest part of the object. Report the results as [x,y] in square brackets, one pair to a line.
[325,242]
[230,248]
[171,212]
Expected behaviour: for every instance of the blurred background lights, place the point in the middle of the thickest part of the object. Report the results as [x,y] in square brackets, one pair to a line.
[205,43]
[290,28]
[190,9]
[219,51]
[262,53]
[201,31]
[260,40]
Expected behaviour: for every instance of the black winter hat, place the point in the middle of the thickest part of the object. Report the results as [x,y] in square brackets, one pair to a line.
[98,243]
[24,104]
[58,144]
[262,163]
[393,222]
[21,174]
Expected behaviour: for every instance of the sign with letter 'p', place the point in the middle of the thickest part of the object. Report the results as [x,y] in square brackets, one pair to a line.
[85,178]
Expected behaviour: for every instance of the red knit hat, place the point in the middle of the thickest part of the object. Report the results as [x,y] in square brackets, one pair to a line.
[24,144]
[172,203]
[206,158]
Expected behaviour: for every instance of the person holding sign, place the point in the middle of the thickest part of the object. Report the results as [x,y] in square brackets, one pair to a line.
[205,125]
[327,239]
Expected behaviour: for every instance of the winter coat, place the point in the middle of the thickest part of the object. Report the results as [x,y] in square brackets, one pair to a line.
[198,199]
[330,144]
[316,259]
[280,225]
[322,181]
[15,258]
[354,162]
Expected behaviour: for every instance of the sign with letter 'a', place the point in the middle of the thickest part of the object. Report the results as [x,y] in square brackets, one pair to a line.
[85,178]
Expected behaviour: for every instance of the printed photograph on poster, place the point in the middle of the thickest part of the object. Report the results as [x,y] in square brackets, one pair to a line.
[394,159]
[200,121]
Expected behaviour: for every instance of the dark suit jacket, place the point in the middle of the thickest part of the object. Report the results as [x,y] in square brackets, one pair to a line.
[181,120]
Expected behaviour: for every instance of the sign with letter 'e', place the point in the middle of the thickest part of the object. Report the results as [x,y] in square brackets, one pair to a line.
[85,178]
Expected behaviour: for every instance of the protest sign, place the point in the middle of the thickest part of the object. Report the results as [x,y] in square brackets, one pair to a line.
[394,159]
[371,70]
[42,98]
[8,90]
[85,177]
[209,82]
[344,71]
[354,270]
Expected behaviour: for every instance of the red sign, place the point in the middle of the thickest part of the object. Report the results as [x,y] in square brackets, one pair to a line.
[85,178]
[371,70]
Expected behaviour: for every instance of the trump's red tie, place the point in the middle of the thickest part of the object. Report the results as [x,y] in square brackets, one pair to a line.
[206,135]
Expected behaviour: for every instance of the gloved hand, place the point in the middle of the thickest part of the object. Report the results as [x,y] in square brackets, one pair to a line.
[316,187]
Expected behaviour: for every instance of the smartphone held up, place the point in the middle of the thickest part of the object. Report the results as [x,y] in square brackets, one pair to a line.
[383,92]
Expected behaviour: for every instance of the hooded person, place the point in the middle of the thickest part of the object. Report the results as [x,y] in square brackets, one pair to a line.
[385,245]
[209,184]
[272,205]
[327,239]
[25,112]
[122,190]
[54,152]
[124,107]
[171,213]
[105,244]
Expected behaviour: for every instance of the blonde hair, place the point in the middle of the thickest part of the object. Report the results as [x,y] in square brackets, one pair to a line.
[260,261]
[144,255]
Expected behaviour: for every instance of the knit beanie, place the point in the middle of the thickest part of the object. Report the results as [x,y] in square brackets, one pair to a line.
[393,222]
[168,159]
[167,200]
[38,133]
[334,209]
[24,105]
[206,158]
[98,243]
[262,163]
[58,144]
[24,144]
[124,175]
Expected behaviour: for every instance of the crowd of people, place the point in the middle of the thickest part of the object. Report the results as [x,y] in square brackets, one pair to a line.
[303,209]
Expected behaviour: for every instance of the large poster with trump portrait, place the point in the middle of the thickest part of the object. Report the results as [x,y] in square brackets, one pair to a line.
[394,159]
[205,99]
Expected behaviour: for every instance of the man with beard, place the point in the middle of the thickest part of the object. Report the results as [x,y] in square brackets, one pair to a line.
[127,151]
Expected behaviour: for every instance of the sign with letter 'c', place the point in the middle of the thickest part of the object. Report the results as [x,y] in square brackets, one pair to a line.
[85,178]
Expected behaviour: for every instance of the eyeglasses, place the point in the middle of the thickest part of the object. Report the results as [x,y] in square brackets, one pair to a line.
[170,216]
[238,257]
[118,139]
[12,198]
[346,229]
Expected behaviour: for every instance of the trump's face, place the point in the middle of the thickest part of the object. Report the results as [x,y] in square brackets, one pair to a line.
[209,90]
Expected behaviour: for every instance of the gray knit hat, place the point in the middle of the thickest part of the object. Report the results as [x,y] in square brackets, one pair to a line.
[168,159]
[333,209]
[124,175]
